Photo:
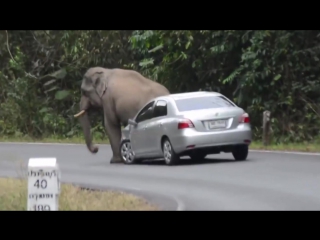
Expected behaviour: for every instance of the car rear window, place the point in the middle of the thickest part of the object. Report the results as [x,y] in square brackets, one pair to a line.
[199,103]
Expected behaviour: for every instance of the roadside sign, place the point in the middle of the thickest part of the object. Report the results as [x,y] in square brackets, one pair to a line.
[43,184]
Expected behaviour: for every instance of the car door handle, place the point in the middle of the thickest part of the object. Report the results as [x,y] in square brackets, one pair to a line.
[160,124]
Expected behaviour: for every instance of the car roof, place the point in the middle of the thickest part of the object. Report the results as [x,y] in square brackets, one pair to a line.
[177,96]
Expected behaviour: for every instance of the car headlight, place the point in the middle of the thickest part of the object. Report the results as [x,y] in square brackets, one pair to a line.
[123,137]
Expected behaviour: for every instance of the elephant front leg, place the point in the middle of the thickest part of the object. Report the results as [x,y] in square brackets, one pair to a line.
[114,134]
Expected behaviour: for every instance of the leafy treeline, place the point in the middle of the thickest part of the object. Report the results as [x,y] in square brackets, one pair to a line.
[276,70]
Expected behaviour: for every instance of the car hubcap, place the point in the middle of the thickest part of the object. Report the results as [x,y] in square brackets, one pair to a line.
[167,151]
[126,152]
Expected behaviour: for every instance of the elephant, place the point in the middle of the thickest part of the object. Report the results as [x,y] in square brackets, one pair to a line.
[121,93]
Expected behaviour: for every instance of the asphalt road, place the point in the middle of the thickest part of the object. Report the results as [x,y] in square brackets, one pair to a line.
[266,181]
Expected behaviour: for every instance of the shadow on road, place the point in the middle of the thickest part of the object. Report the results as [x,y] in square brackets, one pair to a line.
[188,161]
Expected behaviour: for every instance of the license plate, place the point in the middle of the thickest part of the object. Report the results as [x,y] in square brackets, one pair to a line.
[217,124]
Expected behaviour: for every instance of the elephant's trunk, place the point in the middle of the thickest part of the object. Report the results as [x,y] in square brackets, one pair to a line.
[85,123]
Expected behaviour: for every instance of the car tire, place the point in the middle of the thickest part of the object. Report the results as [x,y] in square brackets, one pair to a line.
[126,152]
[240,153]
[198,156]
[170,157]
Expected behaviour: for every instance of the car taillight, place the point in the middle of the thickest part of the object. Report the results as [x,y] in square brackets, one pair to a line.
[185,123]
[244,118]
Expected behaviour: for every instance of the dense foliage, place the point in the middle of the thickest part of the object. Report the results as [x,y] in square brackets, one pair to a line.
[276,70]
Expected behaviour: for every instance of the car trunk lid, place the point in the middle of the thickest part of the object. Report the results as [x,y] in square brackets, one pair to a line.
[215,119]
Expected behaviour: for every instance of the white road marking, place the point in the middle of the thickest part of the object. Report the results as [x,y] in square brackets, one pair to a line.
[180,204]
[287,152]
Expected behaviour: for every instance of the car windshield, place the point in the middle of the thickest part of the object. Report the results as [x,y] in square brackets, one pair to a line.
[199,103]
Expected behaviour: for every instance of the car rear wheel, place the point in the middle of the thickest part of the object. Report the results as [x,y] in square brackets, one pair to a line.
[240,153]
[170,157]
[126,152]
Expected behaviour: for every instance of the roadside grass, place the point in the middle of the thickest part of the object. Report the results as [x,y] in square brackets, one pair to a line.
[298,147]
[257,145]
[13,196]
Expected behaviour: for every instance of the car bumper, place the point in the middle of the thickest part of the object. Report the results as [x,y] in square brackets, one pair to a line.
[191,139]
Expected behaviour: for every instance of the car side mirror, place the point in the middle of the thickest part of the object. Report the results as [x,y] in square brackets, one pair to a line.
[132,122]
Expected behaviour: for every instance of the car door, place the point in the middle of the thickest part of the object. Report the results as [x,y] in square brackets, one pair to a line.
[139,135]
[155,127]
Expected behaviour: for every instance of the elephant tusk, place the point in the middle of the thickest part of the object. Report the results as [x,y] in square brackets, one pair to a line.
[80,113]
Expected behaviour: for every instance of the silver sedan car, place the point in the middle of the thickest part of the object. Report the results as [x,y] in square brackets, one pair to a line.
[191,124]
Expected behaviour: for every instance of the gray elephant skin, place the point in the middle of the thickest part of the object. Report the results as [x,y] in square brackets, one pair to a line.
[121,94]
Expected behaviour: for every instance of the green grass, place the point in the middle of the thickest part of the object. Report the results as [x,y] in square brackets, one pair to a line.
[304,147]
[300,147]
[13,197]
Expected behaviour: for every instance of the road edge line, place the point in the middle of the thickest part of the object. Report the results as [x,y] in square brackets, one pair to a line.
[102,144]
[286,152]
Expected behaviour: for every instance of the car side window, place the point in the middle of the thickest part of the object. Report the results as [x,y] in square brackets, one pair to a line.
[160,109]
[146,113]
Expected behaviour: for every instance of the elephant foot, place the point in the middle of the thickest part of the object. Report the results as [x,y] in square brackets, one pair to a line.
[94,149]
[116,160]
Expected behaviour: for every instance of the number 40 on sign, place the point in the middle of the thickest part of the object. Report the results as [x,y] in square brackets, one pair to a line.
[43,184]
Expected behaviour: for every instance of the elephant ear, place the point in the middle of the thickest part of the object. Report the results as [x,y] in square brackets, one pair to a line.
[101,84]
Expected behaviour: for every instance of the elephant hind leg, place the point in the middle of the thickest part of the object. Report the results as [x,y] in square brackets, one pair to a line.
[114,133]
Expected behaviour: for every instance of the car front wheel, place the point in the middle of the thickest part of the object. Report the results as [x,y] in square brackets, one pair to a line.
[170,157]
[240,153]
[126,152]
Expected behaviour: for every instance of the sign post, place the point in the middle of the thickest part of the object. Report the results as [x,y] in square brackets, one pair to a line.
[43,184]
